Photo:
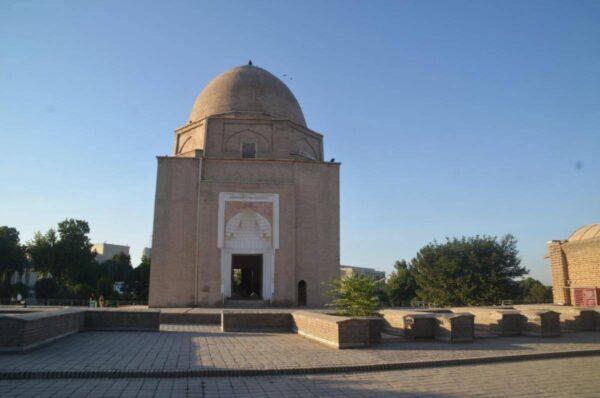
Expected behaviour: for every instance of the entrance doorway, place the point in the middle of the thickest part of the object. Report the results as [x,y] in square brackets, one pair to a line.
[302,293]
[246,276]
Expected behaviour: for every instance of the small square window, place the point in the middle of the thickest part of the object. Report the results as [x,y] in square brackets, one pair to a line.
[248,150]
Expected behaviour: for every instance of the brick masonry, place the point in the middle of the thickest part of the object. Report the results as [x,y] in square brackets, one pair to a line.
[255,321]
[114,319]
[334,331]
[23,332]
[574,265]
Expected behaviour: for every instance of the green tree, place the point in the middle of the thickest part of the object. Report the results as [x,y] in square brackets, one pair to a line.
[42,252]
[118,268]
[104,287]
[12,259]
[46,288]
[74,250]
[139,281]
[478,270]
[533,291]
[401,285]
[353,296]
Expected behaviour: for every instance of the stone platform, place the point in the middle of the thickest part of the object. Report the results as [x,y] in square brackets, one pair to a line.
[203,350]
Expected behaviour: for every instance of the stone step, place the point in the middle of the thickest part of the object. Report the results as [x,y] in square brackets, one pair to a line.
[246,303]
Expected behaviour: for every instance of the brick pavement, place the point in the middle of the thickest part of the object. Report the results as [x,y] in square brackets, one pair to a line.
[569,377]
[182,347]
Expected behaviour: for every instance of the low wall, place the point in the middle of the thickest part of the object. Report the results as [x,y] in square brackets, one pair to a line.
[334,331]
[124,320]
[27,331]
[190,318]
[255,321]
[502,322]
[571,318]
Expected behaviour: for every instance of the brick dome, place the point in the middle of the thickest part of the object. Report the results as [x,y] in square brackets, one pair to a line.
[247,89]
[588,231]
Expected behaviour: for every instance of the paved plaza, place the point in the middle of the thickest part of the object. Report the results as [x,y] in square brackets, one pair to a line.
[569,377]
[190,347]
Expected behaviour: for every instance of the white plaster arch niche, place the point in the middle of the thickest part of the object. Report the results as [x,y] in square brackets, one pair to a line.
[248,232]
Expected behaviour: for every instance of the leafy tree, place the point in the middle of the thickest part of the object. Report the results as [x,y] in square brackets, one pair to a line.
[81,291]
[118,268]
[48,288]
[74,250]
[140,280]
[401,285]
[105,287]
[12,254]
[478,270]
[533,291]
[65,259]
[42,252]
[353,296]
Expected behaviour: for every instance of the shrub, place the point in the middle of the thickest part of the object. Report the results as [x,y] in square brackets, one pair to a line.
[353,296]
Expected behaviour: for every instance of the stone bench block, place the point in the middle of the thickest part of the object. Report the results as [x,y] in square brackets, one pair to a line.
[335,331]
[409,323]
[455,327]
[541,323]
[116,319]
[255,321]
[502,322]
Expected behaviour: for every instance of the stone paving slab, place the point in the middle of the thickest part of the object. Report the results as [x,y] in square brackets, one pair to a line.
[202,347]
[571,377]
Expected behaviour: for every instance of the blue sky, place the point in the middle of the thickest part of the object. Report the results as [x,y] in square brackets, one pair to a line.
[450,118]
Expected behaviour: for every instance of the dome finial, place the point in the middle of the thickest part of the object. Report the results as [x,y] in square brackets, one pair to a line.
[250,63]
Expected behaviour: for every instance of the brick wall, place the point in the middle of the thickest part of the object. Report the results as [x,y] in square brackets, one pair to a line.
[190,318]
[559,273]
[335,331]
[114,319]
[23,332]
[574,265]
[236,321]
[26,331]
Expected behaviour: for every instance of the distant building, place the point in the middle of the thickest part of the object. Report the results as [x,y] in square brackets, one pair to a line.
[147,252]
[348,270]
[575,264]
[106,251]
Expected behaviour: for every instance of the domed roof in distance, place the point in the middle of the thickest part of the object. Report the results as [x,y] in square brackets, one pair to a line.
[247,89]
[586,232]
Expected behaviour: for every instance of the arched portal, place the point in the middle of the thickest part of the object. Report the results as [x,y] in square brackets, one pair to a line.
[302,293]
[248,248]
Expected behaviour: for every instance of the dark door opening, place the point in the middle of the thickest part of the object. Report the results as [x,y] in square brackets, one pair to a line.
[246,276]
[301,293]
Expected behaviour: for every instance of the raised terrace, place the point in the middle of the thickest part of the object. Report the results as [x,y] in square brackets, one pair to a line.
[130,342]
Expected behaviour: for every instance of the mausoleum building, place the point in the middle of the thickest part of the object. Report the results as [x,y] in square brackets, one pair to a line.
[246,208]
[575,266]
